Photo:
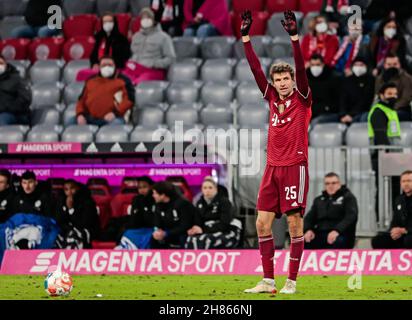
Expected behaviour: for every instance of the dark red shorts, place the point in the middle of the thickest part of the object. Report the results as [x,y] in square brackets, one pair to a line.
[283,189]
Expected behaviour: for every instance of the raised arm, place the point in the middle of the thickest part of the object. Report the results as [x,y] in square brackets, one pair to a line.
[290,26]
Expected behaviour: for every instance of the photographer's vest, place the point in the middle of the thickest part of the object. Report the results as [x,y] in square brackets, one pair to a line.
[394,129]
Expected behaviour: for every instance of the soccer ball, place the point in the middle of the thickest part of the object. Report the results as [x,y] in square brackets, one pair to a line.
[58,283]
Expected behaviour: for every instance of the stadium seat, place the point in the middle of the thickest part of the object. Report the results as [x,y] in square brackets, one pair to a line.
[357,135]
[12,134]
[215,92]
[137,5]
[46,115]
[72,92]
[148,116]
[248,93]
[46,93]
[103,199]
[243,72]
[14,49]
[121,202]
[115,6]
[253,115]
[76,7]
[113,133]
[123,21]
[135,25]
[217,47]
[44,133]
[327,135]
[281,5]
[216,114]
[45,49]
[69,113]
[72,68]
[278,48]
[241,5]
[9,23]
[185,70]
[310,5]
[145,134]
[12,7]
[257,43]
[79,25]
[258,27]
[217,69]
[83,134]
[194,105]
[21,65]
[186,47]
[150,92]
[78,48]
[46,71]
[406,134]
[189,116]
[180,92]
[182,184]
[274,26]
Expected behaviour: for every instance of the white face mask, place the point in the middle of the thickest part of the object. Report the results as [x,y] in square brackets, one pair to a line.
[321,27]
[146,23]
[359,70]
[107,71]
[2,68]
[316,70]
[108,26]
[389,32]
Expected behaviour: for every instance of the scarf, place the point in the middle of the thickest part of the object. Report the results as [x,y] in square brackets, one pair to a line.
[317,45]
[353,53]
[384,47]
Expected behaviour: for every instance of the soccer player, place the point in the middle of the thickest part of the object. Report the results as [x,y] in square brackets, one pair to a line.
[284,184]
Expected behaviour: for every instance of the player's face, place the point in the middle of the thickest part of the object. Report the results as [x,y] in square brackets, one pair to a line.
[70,189]
[406,183]
[209,191]
[28,185]
[3,183]
[283,83]
[332,185]
[143,188]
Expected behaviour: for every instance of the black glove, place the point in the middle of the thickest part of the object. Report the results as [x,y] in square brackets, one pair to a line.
[290,24]
[246,22]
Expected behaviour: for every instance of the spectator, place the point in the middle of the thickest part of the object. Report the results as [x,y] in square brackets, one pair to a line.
[173,217]
[109,42]
[106,97]
[33,197]
[335,11]
[324,83]
[152,49]
[392,72]
[213,226]
[15,96]
[169,13]
[400,232]
[6,195]
[380,9]
[331,222]
[319,41]
[388,39]
[357,93]
[353,45]
[206,18]
[77,217]
[37,18]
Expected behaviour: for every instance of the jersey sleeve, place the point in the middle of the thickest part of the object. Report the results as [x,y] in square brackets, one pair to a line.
[301,77]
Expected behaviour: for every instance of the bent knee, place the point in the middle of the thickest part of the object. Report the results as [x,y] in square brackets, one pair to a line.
[263,227]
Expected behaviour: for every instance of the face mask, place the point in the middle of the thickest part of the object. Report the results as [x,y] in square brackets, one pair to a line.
[359,70]
[316,70]
[146,23]
[389,32]
[107,71]
[391,102]
[321,27]
[2,68]
[389,73]
[108,26]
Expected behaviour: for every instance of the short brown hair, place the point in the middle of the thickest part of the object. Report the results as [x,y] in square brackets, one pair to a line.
[282,67]
[406,172]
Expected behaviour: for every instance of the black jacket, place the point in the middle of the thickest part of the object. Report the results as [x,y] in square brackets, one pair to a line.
[142,214]
[357,94]
[214,217]
[178,17]
[174,217]
[6,202]
[116,42]
[402,213]
[83,215]
[325,91]
[39,202]
[36,12]
[337,212]
[15,93]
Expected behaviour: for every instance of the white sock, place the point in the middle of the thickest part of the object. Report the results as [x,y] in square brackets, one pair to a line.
[269,281]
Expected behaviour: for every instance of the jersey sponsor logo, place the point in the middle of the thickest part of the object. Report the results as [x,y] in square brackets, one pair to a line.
[276,120]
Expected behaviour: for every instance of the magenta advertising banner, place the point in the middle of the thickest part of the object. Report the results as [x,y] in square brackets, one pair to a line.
[44,147]
[246,262]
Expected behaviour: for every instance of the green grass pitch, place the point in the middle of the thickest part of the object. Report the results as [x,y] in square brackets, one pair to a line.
[202,287]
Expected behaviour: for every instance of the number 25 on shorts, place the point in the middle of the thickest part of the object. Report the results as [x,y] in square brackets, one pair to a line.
[290,193]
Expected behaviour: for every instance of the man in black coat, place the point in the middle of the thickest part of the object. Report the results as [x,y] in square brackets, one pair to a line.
[331,222]
[6,196]
[15,96]
[173,217]
[400,232]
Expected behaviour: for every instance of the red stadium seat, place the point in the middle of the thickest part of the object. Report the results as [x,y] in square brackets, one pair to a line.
[14,49]
[241,5]
[102,197]
[79,25]
[259,25]
[135,25]
[183,185]
[306,6]
[103,244]
[281,5]
[123,20]
[77,48]
[46,48]
[120,204]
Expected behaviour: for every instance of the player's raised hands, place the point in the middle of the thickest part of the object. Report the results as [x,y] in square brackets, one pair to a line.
[290,24]
[246,22]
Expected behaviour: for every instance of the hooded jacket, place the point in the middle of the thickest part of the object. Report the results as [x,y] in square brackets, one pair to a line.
[6,202]
[142,213]
[336,212]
